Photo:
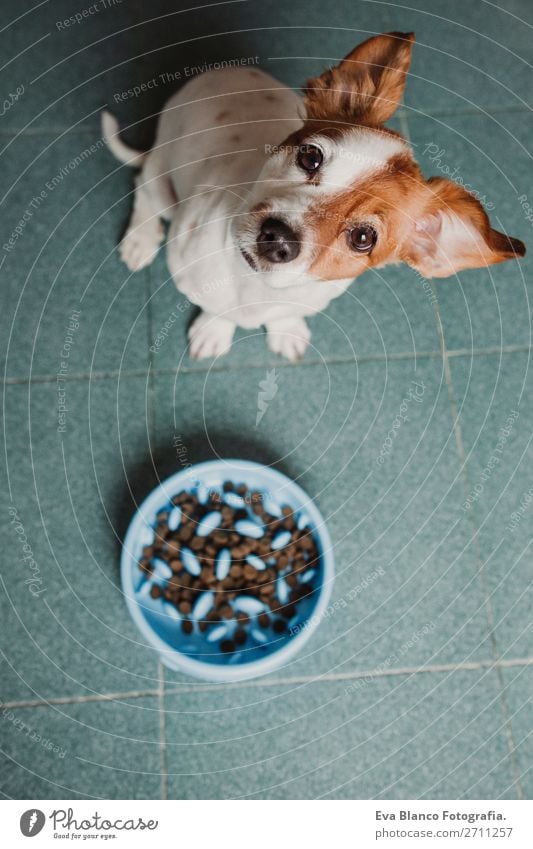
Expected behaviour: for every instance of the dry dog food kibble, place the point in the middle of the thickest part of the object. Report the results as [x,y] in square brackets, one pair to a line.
[235,570]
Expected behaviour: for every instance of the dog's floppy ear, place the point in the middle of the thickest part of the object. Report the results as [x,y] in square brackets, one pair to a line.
[451,231]
[367,85]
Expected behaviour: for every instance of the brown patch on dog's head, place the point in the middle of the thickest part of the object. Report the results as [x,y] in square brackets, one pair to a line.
[381,202]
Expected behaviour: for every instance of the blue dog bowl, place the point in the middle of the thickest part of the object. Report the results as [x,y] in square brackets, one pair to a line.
[199,654]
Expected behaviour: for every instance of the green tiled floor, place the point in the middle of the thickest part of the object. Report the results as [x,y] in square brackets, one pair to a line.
[419,684]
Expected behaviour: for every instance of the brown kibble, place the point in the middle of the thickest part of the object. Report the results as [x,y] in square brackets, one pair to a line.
[176,565]
[148,552]
[208,577]
[155,591]
[213,616]
[288,611]
[242,618]
[240,636]
[197,543]
[226,611]
[267,589]
[185,607]
[306,541]
[241,490]
[228,486]
[185,533]
[236,571]
[264,620]
[187,627]
[286,510]
[291,580]
[250,572]
[219,537]
[298,593]
[146,567]
[279,626]
[227,646]
[202,624]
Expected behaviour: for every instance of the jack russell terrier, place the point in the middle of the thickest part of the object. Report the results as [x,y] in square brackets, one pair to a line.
[276,202]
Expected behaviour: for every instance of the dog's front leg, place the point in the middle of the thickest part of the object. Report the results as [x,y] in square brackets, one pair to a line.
[145,231]
[288,337]
[210,336]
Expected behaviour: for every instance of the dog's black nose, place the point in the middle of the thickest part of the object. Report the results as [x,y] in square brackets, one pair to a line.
[277,242]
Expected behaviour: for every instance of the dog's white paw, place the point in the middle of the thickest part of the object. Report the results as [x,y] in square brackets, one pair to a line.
[210,337]
[290,338]
[140,244]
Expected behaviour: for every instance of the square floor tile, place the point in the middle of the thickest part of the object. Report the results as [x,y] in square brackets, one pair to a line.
[490,155]
[424,736]
[494,397]
[404,560]
[69,498]
[68,297]
[100,750]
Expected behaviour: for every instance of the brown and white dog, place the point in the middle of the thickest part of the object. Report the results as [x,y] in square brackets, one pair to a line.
[276,203]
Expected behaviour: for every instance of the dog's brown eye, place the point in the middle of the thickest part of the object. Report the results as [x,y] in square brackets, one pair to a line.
[362,238]
[309,158]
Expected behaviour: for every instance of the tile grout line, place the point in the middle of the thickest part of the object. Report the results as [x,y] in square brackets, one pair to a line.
[370,358]
[507,727]
[272,682]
